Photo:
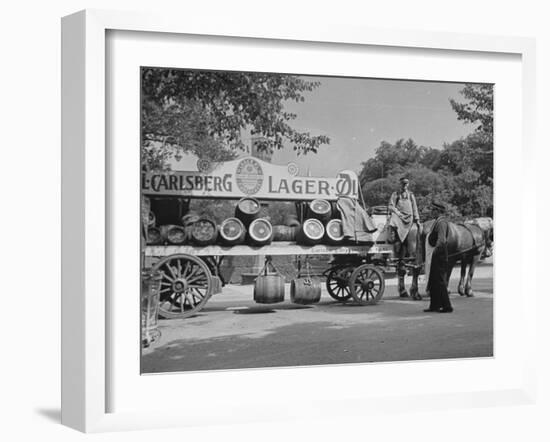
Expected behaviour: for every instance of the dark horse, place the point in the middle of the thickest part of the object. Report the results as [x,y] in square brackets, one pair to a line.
[468,243]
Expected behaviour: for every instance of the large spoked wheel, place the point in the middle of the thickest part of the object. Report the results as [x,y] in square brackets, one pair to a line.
[338,284]
[367,284]
[185,286]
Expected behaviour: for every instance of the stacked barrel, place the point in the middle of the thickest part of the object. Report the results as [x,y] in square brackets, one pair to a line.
[288,230]
[194,229]
[316,225]
[259,231]
[171,234]
[320,226]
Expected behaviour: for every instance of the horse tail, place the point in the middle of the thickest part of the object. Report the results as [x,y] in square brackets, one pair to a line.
[479,239]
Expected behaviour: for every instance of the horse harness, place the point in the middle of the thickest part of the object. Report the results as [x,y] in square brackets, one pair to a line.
[476,245]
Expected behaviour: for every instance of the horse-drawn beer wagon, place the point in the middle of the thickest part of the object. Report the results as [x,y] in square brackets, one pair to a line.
[188,255]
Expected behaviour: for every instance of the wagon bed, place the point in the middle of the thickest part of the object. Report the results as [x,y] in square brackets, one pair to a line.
[190,273]
[273,249]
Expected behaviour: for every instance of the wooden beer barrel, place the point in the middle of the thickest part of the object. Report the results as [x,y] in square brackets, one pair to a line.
[176,235]
[260,232]
[173,234]
[311,232]
[334,233]
[232,231]
[187,221]
[154,236]
[247,210]
[204,232]
[284,233]
[291,220]
[305,290]
[319,209]
[189,218]
[269,289]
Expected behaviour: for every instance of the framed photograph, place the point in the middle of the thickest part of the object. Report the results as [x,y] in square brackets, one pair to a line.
[250,213]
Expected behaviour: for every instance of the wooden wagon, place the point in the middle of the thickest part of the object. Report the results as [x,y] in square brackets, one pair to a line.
[190,273]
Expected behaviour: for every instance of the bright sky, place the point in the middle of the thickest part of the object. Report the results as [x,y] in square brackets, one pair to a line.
[357,114]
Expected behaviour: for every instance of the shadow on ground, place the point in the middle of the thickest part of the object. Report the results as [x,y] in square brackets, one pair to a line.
[333,334]
[51,414]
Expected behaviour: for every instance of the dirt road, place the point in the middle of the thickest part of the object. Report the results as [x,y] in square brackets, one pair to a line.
[234,332]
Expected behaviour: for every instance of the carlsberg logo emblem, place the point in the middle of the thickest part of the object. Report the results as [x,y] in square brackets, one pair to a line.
[249,176]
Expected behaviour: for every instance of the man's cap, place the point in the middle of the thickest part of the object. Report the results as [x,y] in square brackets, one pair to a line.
[403,180]
[438,205]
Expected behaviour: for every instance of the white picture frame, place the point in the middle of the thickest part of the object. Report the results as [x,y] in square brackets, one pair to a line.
[86,315]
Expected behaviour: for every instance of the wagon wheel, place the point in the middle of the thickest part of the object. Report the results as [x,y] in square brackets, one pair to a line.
[337,284]
[367,284]
[185,286]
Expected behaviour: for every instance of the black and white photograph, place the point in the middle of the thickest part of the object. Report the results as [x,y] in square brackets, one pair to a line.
[292,220]
[248,221]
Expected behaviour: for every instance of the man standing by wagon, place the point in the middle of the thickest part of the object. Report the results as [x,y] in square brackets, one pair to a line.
[438,279]
[404,221]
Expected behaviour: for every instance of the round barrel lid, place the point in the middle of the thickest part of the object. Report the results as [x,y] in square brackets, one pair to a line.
[231,228]
[320,206]
[249,205]
[261,229]
[314,228]
[204,228]
[153,234]
[176,234]
[334,229]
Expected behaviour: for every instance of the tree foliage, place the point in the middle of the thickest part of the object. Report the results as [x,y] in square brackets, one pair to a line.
[170,128]
[395,159]
[449,175]
[205,112]
[472,152]
[461,173]
[478,107]
[476,150]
